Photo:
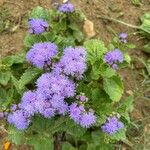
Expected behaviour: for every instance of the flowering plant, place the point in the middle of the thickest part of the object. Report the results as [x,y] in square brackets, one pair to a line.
[64,89]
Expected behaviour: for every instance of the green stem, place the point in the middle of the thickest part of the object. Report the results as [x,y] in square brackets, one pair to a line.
[124,23]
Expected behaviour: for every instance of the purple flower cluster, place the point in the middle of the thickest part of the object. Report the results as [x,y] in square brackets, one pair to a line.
[19,119]
[51,83]
[112,125]
[27,103]
[113,58]
[37,26]
[81,116]
[41,54]
[123,37]
[66,8]
[53,88]
[47,100]
[21,114]
[73,62]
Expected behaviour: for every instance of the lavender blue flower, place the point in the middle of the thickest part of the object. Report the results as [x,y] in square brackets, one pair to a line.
[41,54]
[82,97]
[112,125]
[75,112]
[44,107]
[78,113]
[13,107]
[87,119]
[27,103]
[66,8]
[51,83]
[113,58]
[37,26]
[73,62]
[59,104]
[123,37]
[19,119]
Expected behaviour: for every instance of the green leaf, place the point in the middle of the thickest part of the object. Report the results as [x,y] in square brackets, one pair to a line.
[29,40]
[3,97]
[50,36]
[8,99]
[4,77]
[136,2]
[146,22]
[74,26]
[28,76]
[108,72]
[127,58]
[95,49]
[113,87]
[98,138]
[130,46]
[96,70]
[100,147]
[16,136]
[126,105]
[83,87]
[16,84]
[40,12]
[42,125]
[92,147]
[147,48]
[101,104]
[41,142]
[78,35]
[51,126]
[68,146]
[83,147]
[120,135]
[14,59]
[111,46]
[73,129]
[99,96]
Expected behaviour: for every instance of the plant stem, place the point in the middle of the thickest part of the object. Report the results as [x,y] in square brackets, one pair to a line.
[124,23]
[59,138]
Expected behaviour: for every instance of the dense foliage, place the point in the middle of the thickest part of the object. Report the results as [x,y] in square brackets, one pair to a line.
[145,19]
[64,85]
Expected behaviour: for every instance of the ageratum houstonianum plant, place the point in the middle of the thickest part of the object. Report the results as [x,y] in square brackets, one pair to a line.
[65,90]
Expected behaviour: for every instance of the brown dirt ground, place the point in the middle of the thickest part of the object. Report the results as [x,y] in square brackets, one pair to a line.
[12,42]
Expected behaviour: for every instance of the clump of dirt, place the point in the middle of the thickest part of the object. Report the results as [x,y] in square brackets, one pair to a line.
[14,23]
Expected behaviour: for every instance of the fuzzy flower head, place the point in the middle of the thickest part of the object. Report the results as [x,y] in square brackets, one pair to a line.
[13,107]
[112,125]
[27,103]
[44,107]
[41,54]
[78,113]
[51,84]
[73,62]
[113,58]
[123,37]
[37,26]
[66,8]
[82,97]
[49,107]
[19,119]
[88,119]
